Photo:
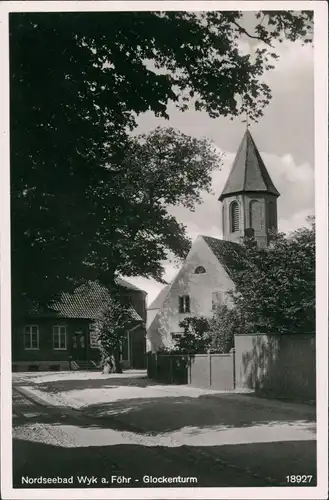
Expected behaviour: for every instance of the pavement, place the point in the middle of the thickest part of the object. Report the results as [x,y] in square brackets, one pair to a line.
[220,439]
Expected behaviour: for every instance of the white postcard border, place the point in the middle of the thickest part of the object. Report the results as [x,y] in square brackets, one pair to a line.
[321,186]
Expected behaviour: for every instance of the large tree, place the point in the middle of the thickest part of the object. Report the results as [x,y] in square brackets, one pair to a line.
[83,207]
[275,289]
[120,223]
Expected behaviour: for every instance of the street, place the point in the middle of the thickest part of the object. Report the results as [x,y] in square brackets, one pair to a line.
[143,443]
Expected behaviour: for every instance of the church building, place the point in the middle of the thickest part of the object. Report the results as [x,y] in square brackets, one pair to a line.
[248,208]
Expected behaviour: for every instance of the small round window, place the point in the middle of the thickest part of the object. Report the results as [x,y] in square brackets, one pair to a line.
[200,270]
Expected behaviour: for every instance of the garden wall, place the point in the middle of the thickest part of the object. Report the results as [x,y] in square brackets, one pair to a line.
[281,366]
[212,370]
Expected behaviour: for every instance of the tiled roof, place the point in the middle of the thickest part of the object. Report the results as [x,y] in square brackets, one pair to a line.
[86,302]
[248,172]
[158,301]
[230,254]
[129,286]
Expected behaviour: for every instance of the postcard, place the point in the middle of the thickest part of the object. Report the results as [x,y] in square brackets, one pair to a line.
[164,200]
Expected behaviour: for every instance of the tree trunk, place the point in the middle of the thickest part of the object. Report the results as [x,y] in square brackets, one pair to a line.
[116,365]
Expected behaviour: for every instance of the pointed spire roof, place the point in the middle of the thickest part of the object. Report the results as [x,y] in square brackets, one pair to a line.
[248,172]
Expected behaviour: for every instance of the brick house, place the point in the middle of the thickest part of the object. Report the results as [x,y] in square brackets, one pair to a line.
[49,339]
[249,207]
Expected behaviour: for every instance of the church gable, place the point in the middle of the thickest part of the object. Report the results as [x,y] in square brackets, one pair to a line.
[202,280]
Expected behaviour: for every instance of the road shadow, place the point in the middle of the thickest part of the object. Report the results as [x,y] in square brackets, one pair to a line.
[74,384]
[35,460]
[203,411]
[169,413]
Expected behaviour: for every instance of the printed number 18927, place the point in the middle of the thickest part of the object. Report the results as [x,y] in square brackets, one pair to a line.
[293,479]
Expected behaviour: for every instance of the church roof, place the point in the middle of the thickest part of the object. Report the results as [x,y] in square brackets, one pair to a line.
[230,254]
[248,172]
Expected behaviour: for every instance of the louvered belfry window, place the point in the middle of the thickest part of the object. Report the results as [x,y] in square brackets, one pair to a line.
[234,216]
[271,215]
[254,214]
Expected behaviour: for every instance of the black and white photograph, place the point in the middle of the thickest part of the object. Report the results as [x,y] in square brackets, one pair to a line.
[164,260]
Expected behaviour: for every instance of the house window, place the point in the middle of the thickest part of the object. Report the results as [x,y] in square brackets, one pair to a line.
[217,299]
[200,270]
[184,304]
[59,337]
[176,336]
[234,217]
[31,337]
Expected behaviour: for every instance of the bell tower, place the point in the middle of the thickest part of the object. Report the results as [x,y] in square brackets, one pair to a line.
[249,197]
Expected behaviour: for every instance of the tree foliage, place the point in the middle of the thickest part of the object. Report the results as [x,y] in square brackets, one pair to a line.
[195,338]
[111,329]
[115,222]
[215,334]
[275,291]
[82,206]
[224,324]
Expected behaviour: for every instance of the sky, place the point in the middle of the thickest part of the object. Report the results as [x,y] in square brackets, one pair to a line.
[284,137]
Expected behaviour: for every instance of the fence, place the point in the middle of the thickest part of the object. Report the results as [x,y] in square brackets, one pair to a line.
[200,370]
[168,368]
[279,366]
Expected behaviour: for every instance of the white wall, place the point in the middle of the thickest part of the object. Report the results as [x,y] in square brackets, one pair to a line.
[198,286]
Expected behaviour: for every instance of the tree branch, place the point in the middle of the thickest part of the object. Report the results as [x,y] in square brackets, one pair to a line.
[243,30]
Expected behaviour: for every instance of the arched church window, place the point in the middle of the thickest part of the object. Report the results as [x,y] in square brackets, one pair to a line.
[234,217]
[223,219]
[200,270]
[271,215]
[254,214]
